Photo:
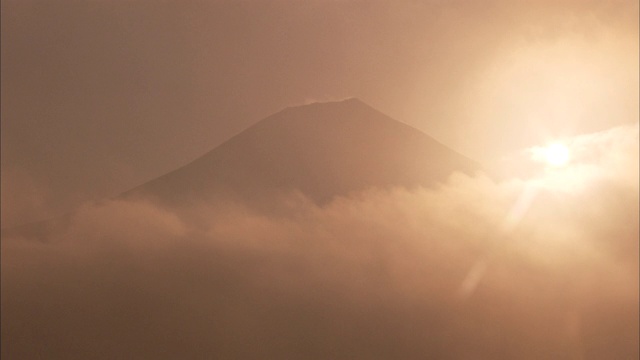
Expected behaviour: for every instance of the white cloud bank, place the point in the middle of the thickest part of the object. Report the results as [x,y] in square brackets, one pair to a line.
[545,267]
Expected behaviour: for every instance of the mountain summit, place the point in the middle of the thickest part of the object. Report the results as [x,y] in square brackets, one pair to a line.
[321,150]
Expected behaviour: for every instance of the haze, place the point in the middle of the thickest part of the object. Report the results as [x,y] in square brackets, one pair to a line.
[101,96]
[320,180]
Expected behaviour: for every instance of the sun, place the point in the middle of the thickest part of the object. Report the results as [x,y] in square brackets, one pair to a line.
[556,155]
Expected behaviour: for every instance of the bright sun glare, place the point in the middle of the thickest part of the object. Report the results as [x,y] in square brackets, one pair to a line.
[556,155]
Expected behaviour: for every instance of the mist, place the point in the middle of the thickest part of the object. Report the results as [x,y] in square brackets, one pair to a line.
[544,266]
[101,96]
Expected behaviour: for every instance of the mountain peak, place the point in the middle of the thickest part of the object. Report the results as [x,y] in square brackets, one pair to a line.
[321,150]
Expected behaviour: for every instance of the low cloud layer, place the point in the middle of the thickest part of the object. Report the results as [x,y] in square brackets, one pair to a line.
[542,267]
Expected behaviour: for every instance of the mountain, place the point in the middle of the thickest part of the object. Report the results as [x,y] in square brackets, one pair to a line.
[322,150]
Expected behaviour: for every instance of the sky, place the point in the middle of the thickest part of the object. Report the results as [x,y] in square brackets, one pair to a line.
[101,96]
[533,256]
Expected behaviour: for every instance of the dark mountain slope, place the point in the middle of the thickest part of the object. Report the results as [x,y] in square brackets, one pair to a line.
[322,150]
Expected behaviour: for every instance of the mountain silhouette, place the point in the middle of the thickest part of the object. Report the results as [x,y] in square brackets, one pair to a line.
[321,150]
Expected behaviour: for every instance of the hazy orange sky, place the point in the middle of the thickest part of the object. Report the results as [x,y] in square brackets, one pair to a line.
[328,230]
[100,96]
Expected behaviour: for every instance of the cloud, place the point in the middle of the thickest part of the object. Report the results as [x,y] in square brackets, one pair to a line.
[538,268]
[323,99]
